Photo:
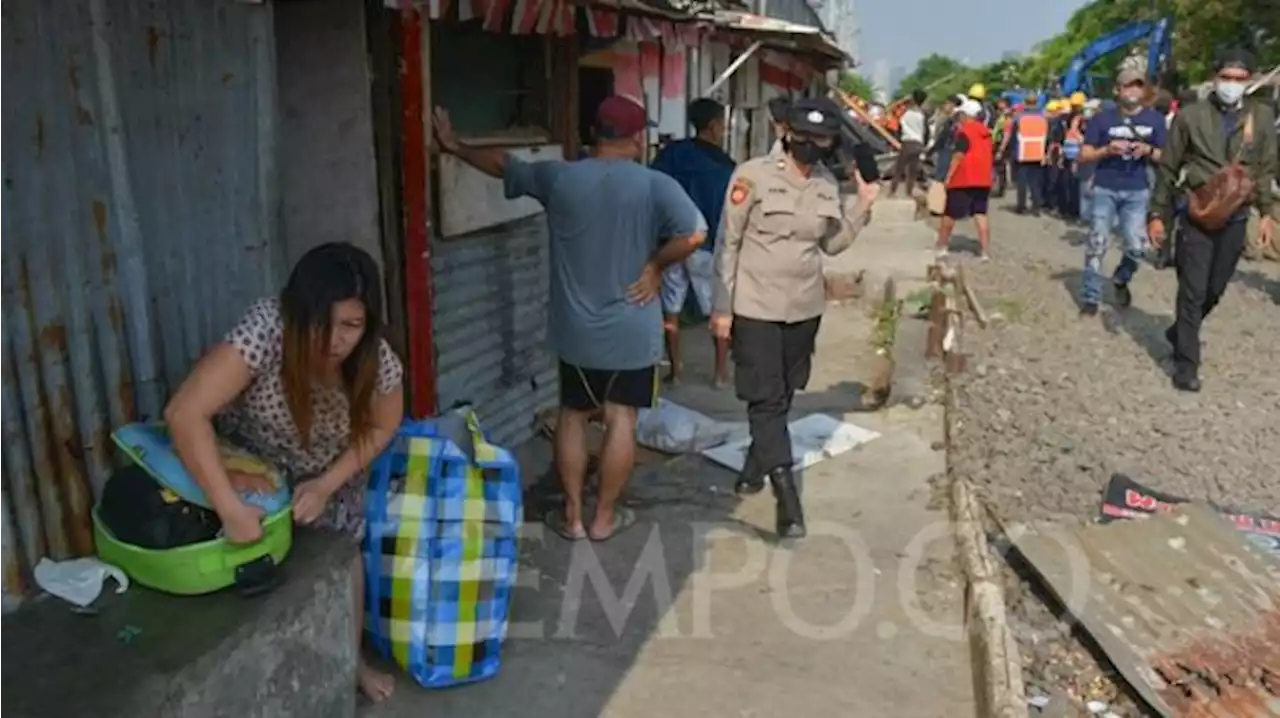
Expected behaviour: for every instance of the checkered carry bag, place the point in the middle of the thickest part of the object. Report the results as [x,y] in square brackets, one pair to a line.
[442,512]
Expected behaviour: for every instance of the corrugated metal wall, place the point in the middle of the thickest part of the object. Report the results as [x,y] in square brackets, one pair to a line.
[490,326]
[139,211]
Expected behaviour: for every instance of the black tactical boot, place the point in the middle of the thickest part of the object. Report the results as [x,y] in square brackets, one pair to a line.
[790,512]
[751,478]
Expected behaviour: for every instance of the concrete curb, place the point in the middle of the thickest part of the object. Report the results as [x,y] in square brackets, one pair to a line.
[997,668]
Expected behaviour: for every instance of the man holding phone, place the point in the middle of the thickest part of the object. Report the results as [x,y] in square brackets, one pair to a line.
[1122,143]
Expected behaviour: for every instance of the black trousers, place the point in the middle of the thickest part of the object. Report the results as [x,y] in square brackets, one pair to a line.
[1205,264]
[772,361]
[1030,178]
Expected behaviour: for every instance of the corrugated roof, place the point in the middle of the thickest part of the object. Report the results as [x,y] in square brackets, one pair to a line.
[774,31]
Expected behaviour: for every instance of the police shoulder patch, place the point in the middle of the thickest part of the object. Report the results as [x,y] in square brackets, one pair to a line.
[741,191]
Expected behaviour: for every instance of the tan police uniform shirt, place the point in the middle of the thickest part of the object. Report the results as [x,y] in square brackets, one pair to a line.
[776,226]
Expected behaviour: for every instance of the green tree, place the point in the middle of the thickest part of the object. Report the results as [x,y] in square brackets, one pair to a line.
[855,84]
[938,75]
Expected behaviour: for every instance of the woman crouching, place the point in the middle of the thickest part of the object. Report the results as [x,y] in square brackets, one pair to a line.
[306,382]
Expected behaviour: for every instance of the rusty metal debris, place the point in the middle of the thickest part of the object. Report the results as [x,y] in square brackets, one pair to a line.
[1185,607]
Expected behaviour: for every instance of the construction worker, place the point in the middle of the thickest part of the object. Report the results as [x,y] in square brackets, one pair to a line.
[1029,144]
[1053,165]
[968,180]
[1206,137]
[978,92]
[1003,127]
[943,132]
[1122,142]
[1067,139]
[783,212]
[915,132]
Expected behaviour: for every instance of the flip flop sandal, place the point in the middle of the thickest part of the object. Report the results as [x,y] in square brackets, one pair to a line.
[556,521]
[623,519]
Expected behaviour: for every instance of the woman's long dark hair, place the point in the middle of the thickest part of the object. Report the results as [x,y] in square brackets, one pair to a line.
[326,275]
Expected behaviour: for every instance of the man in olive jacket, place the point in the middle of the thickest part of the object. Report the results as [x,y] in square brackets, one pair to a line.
[1206,137]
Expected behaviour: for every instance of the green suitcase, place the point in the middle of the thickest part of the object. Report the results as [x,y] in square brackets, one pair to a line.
[203,567]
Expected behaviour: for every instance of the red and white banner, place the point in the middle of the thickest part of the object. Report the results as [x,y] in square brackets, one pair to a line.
[783,72]
[546,14]
[495,15]
[602,23]
[566,19]
[524,19]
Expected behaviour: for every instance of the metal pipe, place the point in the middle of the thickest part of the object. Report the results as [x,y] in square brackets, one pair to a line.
[733,67]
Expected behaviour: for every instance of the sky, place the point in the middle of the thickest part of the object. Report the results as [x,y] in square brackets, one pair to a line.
[903,31]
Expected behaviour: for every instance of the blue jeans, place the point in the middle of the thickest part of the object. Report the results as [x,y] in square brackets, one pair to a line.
[1128,209]
[1086,199]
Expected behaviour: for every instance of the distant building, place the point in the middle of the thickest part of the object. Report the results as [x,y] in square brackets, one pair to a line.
[896,75]
[840,19]
[881,78]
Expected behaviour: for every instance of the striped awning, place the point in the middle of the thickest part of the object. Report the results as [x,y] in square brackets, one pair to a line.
[636,20]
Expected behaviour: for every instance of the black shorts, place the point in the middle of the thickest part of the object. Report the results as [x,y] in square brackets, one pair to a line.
[584,389]
[966,201]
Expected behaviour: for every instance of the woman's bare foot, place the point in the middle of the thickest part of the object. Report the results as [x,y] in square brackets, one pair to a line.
[374,684]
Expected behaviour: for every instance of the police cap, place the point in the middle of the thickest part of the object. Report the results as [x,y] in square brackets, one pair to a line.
[814,116]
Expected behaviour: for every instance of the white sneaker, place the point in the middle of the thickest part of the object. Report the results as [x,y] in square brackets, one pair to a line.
[941,254]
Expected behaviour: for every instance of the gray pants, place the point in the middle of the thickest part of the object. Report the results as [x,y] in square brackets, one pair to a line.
[907,167]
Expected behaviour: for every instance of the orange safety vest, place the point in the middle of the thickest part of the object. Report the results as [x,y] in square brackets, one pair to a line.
[1033,138]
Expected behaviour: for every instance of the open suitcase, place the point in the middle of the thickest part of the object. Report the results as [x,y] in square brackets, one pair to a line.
[203,566]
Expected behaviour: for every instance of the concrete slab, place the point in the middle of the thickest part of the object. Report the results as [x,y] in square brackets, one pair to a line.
[901,250]
[286,653]
[698,612]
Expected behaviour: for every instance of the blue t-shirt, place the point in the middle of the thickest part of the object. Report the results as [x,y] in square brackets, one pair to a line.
[606,219]
[704,171]
[1128,171]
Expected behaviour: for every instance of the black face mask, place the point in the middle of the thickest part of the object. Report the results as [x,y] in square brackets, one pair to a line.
[807,152]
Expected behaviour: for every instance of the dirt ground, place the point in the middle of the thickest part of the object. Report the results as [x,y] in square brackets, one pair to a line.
[1053,404]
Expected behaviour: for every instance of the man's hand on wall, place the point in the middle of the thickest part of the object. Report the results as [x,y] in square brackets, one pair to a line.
[443,126]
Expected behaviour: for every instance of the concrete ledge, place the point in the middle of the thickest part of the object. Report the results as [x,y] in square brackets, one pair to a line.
[997,669]
[288,652]
[900,210]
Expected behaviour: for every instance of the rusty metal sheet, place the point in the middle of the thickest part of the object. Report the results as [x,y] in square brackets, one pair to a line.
[139,219]
[1185,607]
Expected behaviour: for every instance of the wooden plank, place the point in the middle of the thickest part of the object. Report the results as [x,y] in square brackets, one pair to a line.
[970,298]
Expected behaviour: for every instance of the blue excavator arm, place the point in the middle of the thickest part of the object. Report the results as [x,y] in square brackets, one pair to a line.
[1076,77]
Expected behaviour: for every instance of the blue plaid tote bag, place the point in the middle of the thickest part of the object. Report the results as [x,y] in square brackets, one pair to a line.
[442,513]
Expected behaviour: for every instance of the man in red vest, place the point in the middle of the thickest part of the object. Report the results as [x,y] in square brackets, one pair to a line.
[968,180]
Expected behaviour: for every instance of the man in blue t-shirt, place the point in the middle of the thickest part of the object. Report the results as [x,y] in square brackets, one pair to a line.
[614,226]
[1122,142]
[703,170]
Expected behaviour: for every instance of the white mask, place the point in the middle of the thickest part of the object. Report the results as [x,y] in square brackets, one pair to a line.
[1229,91]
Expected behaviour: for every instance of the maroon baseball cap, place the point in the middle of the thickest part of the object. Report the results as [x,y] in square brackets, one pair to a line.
[620,117]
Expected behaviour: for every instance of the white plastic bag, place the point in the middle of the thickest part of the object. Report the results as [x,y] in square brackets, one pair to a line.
[78,581]
[674,429]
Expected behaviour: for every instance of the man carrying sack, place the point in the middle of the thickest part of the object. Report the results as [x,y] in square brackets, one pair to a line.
[1228,151]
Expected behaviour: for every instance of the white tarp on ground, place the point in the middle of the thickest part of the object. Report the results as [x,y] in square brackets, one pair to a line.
[813,438]
[675,429]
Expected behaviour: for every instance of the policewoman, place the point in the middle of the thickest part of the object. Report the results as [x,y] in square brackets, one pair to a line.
[782,213]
